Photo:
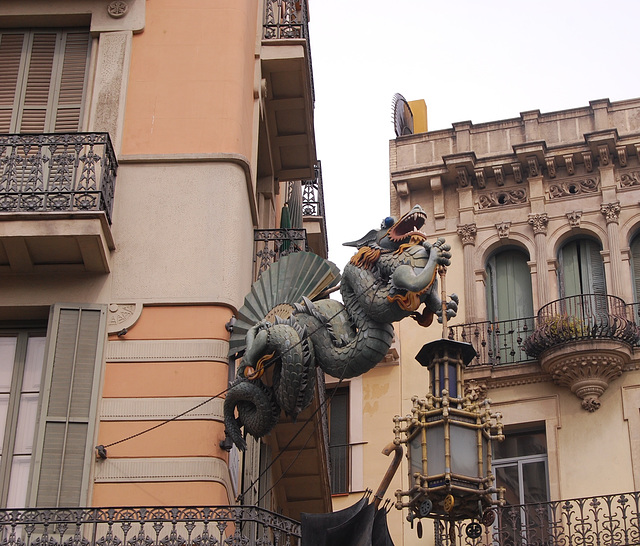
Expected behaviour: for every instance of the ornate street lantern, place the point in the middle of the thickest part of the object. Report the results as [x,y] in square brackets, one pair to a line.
[448,437]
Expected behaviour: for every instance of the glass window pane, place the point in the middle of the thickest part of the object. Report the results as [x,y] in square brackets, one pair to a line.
[507,477]
[27,414]
[19,481]
[33,364]
[464,451]
[534,480]
[7,357]
[520,445]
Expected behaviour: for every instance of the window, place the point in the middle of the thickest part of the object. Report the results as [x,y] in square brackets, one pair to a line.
[42,74]
[510,300]
[339,439]
[48,406]
[581,269]
[635,267]
[520,466]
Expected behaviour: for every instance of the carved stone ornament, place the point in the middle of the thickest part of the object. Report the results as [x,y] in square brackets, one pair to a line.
[627,180]
[475,391]
[462,177]
[605,157]
[622,155]
[122,316]
[117,9]
[539,223]
[568,163]
[534,166]
[480,179]
[567,188]
[611,212]
[517,172]
[467,234]
[503,229]
[501,198]
[551,166]
[587,375]
[588,161]
[574,218]
[499,174]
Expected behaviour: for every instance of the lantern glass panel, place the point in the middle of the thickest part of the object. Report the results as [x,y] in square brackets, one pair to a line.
[415,454]
[464,450]
[452,386]
[435,450]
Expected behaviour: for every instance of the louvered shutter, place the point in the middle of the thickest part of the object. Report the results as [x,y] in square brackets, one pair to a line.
[11,55]
[635,267]
[68,413]
[42,80]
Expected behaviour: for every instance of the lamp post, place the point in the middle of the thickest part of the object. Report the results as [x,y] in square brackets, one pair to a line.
[448,437]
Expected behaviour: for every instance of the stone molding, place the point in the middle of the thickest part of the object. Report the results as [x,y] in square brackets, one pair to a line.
[503,229]
[159,409]
[168,350]
[122,316]
[574,218]
[163,469]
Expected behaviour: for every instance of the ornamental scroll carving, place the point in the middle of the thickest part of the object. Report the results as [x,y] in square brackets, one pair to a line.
[539,223]
[611,212]
[626,180]
[501,198]
[467,234]
[567,188]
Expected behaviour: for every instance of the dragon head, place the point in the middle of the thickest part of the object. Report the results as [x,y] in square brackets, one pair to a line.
[394,232]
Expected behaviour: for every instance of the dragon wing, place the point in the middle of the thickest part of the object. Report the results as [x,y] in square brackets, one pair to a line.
[287,281]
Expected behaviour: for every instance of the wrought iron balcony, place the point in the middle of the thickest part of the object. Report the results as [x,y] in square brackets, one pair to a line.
[583,317]
[610,520]
[271,244]
[62,172]
[216,525]
[495,343]
[285,20]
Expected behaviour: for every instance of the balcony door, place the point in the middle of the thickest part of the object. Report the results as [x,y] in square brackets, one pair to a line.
[43,76]
[509,302]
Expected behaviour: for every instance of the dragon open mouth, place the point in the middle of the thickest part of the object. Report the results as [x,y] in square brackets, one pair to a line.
[408,226]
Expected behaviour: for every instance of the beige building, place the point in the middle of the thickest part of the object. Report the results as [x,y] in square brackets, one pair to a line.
[146,151]
[542,215]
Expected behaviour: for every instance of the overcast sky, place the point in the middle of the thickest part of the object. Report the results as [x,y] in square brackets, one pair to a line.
[478,60]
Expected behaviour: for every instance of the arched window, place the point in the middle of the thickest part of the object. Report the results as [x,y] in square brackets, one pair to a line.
[635,267]
[509,293]
[509,304]
[581,269]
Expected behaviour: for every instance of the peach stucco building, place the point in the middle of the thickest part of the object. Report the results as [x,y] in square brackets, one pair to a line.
[144,144]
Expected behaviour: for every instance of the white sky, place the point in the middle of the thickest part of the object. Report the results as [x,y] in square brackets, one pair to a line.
[478,60]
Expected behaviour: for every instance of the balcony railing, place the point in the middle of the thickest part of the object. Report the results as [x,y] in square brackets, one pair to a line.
[611,520]
[495,343]
[271,244]
[313,195]
[62,172]
[587,316]
[217,525]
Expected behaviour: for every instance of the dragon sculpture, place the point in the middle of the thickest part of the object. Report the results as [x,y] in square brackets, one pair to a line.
[391,275]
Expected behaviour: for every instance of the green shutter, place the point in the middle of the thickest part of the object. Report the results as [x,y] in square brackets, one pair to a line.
[635,267]
[570,284]
[67,420]
[581,269]
[511,285]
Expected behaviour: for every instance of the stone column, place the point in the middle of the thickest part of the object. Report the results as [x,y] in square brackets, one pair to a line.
[539,224]
[611,212]
[467,234]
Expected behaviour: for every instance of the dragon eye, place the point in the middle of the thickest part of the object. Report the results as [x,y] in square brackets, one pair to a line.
[388,222]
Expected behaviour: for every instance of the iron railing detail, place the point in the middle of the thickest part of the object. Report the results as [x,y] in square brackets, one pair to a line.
[495,343]
[213,526]
[587,316]
[61,172]
[271,244]
[610,520]
[313,194]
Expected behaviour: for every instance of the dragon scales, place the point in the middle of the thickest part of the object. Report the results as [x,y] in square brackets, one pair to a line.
[289,333]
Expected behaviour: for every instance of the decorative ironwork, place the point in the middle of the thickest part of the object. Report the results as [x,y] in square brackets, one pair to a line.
[496,343]
[57,173]
[313,194]
[610,520]
[587,316]
[271,244]
[567,188]
[212,526]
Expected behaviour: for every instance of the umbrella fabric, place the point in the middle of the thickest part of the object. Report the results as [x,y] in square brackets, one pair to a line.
[285,223]
[380,534]
[315,526]
[295,205]
[356,531]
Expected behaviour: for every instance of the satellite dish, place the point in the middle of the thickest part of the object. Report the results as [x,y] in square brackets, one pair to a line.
[402,116]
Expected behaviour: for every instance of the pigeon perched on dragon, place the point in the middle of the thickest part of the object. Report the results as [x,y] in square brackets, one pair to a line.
[288,325]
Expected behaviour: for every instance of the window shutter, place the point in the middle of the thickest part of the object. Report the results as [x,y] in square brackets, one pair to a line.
[74,363]
[635,267]
[570,284]
[70,90]
[595,281]
[513,286]
[11,51]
